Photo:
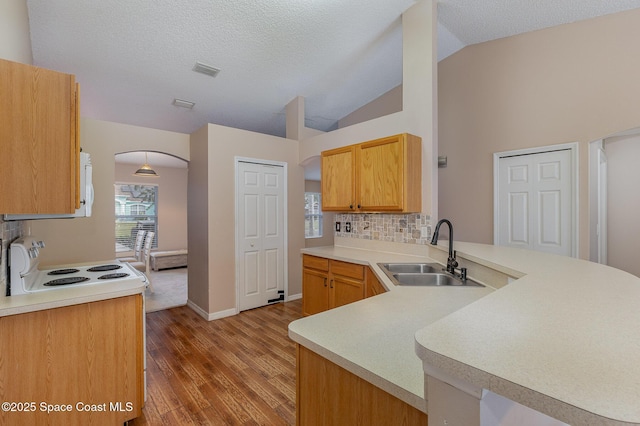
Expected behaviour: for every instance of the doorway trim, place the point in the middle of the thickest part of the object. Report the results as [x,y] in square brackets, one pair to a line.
[238,250]
[573,148]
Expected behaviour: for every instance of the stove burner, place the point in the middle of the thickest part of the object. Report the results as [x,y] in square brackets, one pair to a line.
[104,268]
[67,280]
[113,276]
[63,271]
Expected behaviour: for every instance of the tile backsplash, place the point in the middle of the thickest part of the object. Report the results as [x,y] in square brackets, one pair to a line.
[413,228]
[9,231]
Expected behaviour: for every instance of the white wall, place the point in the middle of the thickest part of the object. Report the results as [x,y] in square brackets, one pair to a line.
[419,115]
[623,203]
[571,83]
[212,212]
[15,41]
[388,103]
[93,238]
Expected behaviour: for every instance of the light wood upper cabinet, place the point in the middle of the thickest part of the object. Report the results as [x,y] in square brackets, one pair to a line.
[338,178]
[39,140]
[383,175]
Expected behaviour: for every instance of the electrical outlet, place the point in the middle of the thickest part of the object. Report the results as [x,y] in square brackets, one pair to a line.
[425,232]
[337,226]
[347,227]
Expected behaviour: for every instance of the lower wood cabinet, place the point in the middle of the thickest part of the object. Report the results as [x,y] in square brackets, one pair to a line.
[327,283]
[374,287]
[84,363]
[327,394]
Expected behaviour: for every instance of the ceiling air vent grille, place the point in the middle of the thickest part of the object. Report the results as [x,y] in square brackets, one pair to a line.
[206,69]
[183,104]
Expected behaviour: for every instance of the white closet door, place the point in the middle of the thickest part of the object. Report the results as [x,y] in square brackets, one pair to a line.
[534,209]
[261,234]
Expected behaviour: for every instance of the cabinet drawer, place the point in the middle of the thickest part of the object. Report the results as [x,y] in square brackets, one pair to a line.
[313,262]
[345,269]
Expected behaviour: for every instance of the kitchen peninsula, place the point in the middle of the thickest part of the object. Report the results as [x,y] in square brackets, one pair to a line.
[557,334]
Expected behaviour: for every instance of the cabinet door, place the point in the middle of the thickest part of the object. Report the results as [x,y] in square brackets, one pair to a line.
[338,179]
[327,394]
[40,156]
[374,287]
[381,175]
[91,353]
[315,296]
[344,290]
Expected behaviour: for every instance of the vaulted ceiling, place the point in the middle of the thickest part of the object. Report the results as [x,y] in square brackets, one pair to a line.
[133,58]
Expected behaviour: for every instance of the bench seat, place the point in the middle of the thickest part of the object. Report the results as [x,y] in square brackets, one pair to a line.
[168,259]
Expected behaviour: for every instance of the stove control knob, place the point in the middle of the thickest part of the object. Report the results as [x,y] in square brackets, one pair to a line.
[33,252]
[39,244]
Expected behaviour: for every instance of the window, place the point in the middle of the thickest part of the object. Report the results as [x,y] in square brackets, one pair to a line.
[136,209]
[312,215]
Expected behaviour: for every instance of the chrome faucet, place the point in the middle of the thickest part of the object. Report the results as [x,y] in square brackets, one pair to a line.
[452,263]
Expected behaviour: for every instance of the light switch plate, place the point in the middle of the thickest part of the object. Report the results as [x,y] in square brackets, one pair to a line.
[337,226]
[347,227]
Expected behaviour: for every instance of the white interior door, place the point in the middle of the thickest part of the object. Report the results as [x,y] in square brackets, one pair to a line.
[534,208]
[261,225]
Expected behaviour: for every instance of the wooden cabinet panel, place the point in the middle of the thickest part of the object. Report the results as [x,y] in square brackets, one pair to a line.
[373,285]
[381,175]
[90,353]
[346,269]
[345,291]
[327,284]
[38,140]
[315,291]
[338,179]
[386,175]
[327,394]
[315,262]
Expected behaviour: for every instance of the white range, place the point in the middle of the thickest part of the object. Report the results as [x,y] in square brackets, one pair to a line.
[26,277]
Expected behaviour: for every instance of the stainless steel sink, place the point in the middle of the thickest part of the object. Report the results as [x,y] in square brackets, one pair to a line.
[432,279]
[423,274]
[421,268]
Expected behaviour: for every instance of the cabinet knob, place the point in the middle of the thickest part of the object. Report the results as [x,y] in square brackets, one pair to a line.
[358,205]
[331,285]
[351,206]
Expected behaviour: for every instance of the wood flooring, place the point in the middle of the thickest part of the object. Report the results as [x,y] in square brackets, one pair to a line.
[238,370]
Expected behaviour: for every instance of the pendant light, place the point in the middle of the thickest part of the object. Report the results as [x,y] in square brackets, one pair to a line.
[145,169]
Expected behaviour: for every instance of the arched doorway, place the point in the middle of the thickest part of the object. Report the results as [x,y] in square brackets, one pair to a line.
[154,202]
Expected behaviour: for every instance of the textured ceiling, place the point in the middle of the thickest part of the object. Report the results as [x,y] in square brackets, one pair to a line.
[133,58]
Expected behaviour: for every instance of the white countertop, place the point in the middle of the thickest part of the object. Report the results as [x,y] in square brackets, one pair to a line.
[374,338]
[61,297]
[564,339]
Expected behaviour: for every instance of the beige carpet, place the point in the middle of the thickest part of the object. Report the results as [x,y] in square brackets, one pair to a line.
[169,289]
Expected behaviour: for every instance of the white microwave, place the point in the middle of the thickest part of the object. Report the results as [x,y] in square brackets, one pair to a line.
[86,196]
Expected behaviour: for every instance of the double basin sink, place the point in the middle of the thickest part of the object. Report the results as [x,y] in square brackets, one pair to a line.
[424,274]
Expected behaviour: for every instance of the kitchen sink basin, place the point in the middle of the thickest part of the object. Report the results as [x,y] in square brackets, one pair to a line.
[420,268]
[423,274]
[432,279]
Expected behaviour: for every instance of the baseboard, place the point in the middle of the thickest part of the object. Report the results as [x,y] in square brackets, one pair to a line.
[210,316]
[294,297]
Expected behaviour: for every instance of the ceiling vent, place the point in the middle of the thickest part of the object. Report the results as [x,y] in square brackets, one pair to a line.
[183,104]
[206,69]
